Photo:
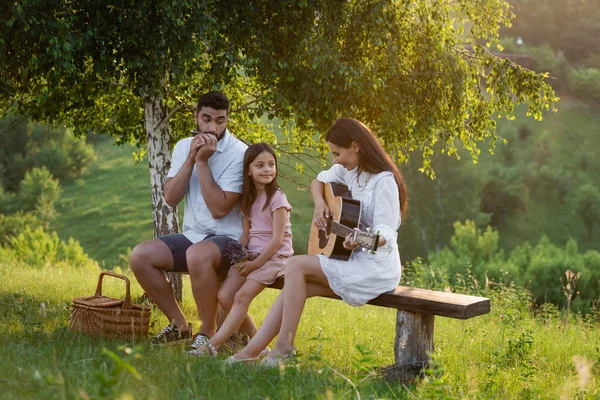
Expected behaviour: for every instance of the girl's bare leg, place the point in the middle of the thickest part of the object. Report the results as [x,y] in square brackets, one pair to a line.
[228,289]
[273,321]
[267,332]
[242,299]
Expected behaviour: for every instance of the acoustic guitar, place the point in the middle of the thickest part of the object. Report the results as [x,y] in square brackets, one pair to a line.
[344,216]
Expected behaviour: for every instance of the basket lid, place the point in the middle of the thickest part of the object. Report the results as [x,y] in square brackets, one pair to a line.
[105,302]
[99,301]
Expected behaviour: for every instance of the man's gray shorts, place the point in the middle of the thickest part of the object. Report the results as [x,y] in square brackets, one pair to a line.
[178,244]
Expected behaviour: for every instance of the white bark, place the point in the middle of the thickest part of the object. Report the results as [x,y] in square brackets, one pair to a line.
[164,217]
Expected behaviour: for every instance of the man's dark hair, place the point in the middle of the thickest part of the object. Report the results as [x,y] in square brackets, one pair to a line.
[214,99]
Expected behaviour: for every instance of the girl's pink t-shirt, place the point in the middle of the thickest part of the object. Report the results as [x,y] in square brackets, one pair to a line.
[261,224]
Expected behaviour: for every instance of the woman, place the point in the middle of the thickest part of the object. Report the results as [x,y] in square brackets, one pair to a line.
[361,163]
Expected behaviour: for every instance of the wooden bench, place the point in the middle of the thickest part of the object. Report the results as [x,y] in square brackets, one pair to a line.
[417,308]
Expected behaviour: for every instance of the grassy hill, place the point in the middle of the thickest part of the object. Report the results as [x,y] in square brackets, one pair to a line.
[109,210]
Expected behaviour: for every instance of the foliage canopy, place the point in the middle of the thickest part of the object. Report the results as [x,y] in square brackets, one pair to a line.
[417,72]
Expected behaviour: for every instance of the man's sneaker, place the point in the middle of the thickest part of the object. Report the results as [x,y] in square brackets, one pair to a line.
[201,346]
[171,334]
[200,339]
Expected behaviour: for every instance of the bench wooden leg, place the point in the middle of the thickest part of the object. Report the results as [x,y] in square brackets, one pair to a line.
[413,345]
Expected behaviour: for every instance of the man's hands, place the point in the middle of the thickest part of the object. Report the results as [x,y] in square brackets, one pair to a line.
[197,142]
[207,148]
[202,148]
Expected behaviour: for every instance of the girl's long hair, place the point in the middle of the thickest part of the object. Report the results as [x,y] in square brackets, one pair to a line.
[372,157]
[249,193]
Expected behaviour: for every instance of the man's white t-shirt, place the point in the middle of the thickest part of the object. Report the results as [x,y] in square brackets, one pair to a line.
[226,165]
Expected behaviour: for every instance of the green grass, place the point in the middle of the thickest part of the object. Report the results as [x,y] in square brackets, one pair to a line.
[109,211]
[506,354]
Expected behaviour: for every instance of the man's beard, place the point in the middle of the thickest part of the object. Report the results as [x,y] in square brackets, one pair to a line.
[219,136]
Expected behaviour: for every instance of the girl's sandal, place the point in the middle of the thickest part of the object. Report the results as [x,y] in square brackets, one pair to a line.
[275,362]
[249,360]
[232,360]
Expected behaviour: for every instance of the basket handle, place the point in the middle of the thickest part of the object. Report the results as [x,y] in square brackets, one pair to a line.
[127,304]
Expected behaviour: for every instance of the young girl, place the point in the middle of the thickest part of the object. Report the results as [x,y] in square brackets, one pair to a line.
[266,233]
[361,164]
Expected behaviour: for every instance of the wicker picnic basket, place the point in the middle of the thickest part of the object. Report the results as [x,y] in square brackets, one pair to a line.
[110,318]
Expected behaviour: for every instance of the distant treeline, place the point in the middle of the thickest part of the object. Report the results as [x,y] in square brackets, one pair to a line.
[544,181]
[33,161]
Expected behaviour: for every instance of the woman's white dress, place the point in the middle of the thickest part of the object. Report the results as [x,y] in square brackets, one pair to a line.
[365,276]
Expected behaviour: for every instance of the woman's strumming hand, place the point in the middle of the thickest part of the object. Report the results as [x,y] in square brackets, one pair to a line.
[321,216]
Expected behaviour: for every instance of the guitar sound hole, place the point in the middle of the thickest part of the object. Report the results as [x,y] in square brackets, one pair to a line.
[323,238]
[324,234]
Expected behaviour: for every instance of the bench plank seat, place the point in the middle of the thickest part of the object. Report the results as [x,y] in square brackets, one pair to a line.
[417,309]
[424,301]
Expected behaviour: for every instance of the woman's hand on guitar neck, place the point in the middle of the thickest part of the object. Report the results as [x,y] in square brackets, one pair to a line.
[321,215]
[349,243]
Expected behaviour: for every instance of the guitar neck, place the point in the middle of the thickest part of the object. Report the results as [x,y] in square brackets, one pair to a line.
[340,230]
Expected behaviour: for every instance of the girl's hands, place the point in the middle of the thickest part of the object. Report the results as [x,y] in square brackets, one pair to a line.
[321,215]
[245,267]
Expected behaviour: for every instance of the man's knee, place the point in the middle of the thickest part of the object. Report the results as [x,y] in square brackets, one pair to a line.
[203,257]
[139,257]
[148,254]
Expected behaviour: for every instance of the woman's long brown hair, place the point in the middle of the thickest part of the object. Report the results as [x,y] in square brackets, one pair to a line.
[249,193]
[372,157]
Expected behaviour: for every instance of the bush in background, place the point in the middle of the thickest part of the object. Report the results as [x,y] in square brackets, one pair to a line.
[12,225]
[584,83]
[33,205]
[475,251]
[38,186]
[37,248]
[25,147]
[474,255]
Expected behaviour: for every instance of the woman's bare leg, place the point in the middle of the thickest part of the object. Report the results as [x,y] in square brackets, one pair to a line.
[302,273]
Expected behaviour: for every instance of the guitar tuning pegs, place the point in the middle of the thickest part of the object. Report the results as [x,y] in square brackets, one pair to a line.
[369,229]
[371,252]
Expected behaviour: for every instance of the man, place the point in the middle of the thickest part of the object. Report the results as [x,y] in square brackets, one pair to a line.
[207,170]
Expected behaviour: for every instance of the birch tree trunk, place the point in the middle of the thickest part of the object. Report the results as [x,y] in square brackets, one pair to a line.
[164,217]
